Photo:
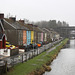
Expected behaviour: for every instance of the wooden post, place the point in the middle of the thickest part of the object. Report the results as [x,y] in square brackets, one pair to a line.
[29,56]
[22,58]
[37,51]
[5,66]
[26,57]
[13,61]
[32,54]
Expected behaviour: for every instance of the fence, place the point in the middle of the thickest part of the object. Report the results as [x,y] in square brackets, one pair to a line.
[23,57]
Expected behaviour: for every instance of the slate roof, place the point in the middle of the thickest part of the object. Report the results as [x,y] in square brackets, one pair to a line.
[52,31]
[46,30]
[31,27]
[37,29]
[1,34]
[41,30]
[10,24]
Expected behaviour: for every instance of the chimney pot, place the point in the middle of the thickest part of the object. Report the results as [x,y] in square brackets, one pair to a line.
[1,15]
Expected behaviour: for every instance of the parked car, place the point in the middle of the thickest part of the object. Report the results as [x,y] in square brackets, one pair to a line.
[39,44]
[34,46]
[45,42]
[27,48]
[8,45]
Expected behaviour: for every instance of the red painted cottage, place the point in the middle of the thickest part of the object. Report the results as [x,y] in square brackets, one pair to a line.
[2,35]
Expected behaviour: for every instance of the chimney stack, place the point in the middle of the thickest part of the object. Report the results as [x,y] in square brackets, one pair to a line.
[1,16]
[30,24]
[13,18]
[21,21]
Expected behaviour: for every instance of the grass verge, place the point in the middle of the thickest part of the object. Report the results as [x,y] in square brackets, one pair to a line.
[32,66]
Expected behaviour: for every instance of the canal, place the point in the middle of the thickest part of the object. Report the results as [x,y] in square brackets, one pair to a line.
[64,64]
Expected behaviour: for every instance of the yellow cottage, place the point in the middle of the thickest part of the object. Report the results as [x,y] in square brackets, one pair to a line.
[32,36]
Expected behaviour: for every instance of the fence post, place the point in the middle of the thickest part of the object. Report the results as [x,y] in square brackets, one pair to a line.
[37,51]
[26,56]
[32,54]
[5,66]
[22,58]
[13,61]
[44,47]
[29,56]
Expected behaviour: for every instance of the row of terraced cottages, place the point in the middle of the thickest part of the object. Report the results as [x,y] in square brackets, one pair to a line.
[20,34]
[3,50]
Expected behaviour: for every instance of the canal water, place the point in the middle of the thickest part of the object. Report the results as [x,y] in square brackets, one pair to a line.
[64,64]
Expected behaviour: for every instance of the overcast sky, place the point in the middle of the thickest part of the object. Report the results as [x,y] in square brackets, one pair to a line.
[37,10]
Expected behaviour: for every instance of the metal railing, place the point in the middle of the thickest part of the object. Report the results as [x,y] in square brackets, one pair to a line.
[23,57]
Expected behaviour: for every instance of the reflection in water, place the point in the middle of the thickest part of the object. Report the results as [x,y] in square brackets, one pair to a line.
[64,64]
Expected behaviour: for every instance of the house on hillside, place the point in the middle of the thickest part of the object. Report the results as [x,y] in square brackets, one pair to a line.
[16,33]
[29,32]
[3,50]
[54,35]
[38,34]
[47,35]
[57,36]
[34,34]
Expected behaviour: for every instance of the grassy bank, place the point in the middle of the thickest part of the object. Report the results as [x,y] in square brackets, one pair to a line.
[37,64]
